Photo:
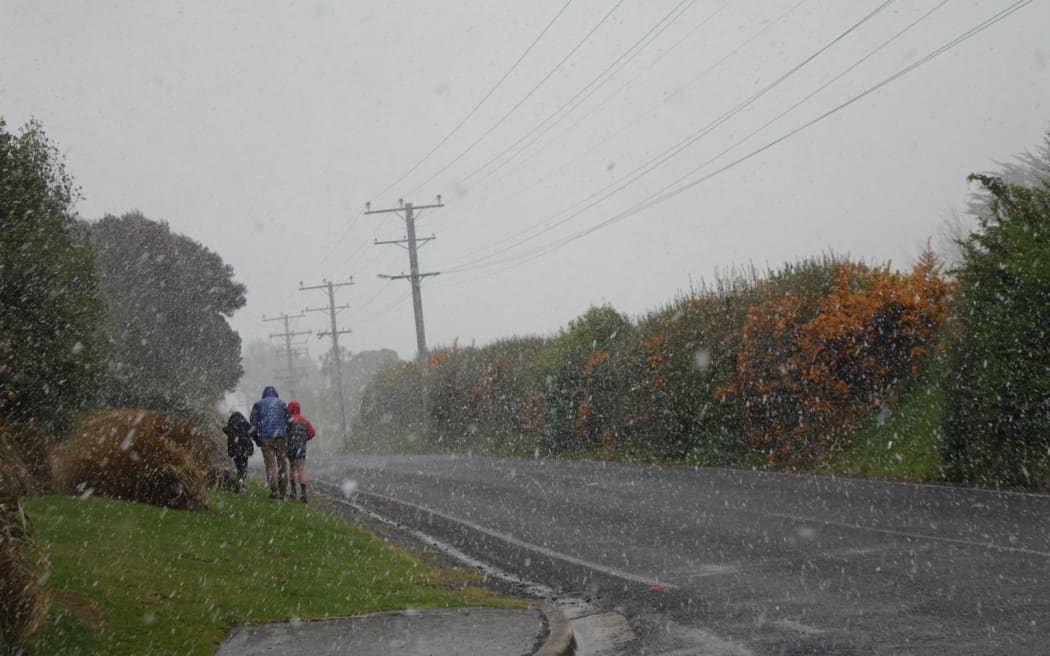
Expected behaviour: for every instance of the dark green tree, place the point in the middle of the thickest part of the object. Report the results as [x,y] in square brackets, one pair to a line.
[998,426]
[50,304]
[169,346]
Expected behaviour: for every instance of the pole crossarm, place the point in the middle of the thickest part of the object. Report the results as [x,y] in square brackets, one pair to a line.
[283,317]
[327,309]
[324,284]
[326,333]
[294,333]
[409,276]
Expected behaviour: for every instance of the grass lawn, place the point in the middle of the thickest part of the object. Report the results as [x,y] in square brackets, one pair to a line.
[127,578]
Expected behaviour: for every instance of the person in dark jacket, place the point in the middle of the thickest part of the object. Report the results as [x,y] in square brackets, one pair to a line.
[300,431]
[270,418]
[239,445]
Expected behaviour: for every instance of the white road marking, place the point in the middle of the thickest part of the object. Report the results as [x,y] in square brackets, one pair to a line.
[898,533]
[510,539]
[798,627]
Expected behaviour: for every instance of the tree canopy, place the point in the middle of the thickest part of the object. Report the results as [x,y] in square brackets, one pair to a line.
[49,297]
[169,346]
[1000,351]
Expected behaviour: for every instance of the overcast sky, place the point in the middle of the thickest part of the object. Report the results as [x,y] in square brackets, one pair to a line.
[260,129]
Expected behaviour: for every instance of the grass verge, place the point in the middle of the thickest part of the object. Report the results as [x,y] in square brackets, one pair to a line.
[127,578]
[903,444]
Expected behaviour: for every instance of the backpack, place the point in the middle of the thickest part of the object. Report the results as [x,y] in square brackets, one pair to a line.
[240,434]
[297,431]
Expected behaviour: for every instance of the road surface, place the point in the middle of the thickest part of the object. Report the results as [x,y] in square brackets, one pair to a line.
[715,561]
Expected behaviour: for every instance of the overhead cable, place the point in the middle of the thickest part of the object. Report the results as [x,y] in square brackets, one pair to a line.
[667,192]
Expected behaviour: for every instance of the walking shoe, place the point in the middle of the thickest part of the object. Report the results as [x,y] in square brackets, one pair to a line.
[304,497]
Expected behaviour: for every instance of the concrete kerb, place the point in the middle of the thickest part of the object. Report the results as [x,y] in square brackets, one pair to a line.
[560,641]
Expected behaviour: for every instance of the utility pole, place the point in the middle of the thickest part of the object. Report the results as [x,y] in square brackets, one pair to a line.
[335,333]
[412,244]
[288,334]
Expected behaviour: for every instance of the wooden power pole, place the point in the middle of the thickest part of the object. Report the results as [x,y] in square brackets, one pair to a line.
[288,334]
[332,309]
[407,211]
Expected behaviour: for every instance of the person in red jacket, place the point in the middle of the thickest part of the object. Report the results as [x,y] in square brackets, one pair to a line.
[299,432]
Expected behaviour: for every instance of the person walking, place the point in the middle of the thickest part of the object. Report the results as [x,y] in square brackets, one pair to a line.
[269,417]
[239,445]
[300,431]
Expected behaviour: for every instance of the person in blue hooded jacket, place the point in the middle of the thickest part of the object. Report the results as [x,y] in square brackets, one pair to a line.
[269,417]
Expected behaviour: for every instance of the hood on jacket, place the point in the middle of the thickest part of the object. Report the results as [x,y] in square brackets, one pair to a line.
[270,390]
[294,407]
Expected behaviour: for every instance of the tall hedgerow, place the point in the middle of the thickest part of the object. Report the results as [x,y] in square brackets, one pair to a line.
[683,354]
[811,366]
[998,427]
[582,382]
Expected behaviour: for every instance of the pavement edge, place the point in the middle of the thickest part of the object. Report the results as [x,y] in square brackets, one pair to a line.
[560,640]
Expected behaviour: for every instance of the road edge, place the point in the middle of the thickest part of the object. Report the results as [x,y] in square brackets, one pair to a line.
[560,640]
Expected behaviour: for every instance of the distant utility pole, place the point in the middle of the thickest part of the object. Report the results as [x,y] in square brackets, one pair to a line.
[335,333]
[288,334]
[412,244]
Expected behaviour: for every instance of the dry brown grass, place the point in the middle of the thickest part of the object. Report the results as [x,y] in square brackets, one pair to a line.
[23,602]
[14,475]
[136,455]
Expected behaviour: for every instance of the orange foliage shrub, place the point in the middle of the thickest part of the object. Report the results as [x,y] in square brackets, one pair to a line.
[136,455]
[809,369]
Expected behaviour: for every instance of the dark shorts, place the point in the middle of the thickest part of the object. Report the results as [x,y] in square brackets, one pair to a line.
[296,449]
[241,462]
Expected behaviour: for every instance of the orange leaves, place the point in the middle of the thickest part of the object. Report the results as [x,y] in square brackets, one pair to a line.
[530,410]
[809,368]
[653,349]
[597,358]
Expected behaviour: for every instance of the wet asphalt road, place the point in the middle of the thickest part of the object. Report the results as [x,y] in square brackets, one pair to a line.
[712,561]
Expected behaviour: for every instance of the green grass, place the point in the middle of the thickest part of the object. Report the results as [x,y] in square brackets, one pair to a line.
[126,578]
[903,444]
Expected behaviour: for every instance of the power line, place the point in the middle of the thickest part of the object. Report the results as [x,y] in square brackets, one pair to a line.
[666,193]
[523,99]
[666,21]
[385,310]
[542,127]
[695,78]
[599,105]
[654,163]
[471,113]
[412,169]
